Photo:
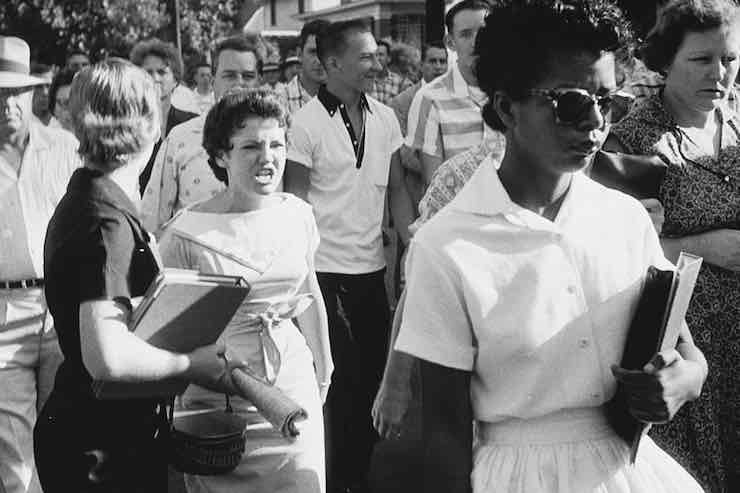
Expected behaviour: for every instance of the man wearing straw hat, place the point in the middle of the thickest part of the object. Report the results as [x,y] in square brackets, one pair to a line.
[36,163]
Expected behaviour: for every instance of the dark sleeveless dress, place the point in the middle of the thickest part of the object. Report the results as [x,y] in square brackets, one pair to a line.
[700,194]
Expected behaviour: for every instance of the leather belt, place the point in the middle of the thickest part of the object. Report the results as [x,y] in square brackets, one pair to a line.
[22,284]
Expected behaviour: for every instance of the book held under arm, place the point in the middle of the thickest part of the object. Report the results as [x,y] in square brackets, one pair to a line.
[181,311]
[655,327]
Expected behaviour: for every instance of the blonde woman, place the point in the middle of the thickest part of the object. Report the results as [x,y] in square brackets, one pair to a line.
[97,257]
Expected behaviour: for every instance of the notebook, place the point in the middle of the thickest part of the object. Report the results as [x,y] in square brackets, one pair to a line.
[655,327]
[181,311]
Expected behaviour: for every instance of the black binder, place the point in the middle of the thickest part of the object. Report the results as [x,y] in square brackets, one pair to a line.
[655,327]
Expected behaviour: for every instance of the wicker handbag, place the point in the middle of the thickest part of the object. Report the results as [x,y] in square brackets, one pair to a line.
[205,443]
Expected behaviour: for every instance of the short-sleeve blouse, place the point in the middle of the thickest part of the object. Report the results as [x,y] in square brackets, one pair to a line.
[95,249]
[537,310]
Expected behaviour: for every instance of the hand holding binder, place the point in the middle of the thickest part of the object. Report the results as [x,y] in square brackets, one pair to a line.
[654,329]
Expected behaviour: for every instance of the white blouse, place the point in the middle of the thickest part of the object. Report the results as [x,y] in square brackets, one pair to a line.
[537,310]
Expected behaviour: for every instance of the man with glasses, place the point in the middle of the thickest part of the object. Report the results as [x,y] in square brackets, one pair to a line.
[36,163]
[181,174]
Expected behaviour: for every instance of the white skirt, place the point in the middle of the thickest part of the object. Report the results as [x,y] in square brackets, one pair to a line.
[571,451]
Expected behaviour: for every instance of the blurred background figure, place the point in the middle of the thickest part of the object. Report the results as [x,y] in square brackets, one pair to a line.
[291,67]
[41,92]
[203,86]
[271,74]
[299,90]
[77,60]
[163,63]
[59,100]
[433,64]
[387,84]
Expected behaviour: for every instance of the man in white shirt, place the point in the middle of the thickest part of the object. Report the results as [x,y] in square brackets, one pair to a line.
[181,175]
[343,158]
[36,163]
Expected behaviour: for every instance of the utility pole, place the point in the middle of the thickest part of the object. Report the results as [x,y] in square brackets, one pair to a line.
[173,7]
[435,25]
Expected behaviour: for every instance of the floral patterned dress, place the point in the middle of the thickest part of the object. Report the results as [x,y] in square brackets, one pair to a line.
[700,193]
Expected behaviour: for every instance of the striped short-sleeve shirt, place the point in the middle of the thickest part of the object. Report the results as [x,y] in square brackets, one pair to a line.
[445,116]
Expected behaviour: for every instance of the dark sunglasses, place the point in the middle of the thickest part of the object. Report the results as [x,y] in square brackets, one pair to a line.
[572,106]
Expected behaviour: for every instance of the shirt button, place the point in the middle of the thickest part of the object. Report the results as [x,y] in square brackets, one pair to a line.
[583,343]
[571,289]
[596,396]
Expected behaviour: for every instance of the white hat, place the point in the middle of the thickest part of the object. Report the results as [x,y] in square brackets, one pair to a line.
[15,64]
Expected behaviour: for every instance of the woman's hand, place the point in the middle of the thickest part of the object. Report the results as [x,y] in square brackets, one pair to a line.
[657,392]
[210,367]
[657,213]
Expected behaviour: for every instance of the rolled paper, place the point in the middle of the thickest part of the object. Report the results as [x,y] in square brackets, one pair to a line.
[278,409]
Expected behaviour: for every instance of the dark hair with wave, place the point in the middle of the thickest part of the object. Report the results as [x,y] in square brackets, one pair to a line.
[230,114]
[523,38]
[333,39]
[312,28]
[63,78]
[680,17]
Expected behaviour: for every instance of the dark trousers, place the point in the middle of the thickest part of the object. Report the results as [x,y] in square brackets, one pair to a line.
[359,327]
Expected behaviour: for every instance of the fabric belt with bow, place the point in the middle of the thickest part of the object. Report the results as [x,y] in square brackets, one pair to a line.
[263,317]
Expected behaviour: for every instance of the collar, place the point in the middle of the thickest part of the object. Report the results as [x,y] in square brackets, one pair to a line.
[459,86]
[95,185]
[36,136]
[332,103]
[484,194]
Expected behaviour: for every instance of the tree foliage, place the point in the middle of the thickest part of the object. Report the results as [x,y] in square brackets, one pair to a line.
[100,27]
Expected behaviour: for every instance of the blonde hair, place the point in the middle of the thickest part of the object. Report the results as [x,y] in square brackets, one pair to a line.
[115,110]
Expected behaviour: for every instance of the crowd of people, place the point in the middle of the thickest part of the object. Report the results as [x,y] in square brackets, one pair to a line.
[490,365]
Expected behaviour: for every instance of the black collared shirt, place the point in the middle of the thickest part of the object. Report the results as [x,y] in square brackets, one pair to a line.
[332,104]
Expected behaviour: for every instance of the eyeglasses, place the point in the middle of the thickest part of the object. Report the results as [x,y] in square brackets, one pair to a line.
[572,106]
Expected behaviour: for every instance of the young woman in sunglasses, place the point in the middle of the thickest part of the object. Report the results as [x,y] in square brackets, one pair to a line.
[696,45]
[520,292]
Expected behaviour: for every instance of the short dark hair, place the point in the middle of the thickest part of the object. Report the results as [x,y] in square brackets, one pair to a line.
[236,43]
[313,28]
[520,42]
[63,78]
[160,49]
[72,53]
[382,42]
[333,39]
[464,5]
[677,19]
[229,114]
[439,45]
[39,68]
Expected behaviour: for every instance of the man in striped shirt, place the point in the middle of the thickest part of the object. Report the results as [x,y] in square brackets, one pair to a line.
[445,116]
